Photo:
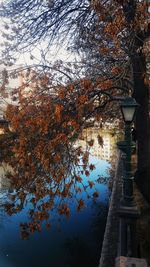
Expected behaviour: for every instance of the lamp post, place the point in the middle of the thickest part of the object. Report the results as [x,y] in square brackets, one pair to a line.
[128,109]
[128,211]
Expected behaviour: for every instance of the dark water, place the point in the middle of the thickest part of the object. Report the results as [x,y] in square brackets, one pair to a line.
[74,241]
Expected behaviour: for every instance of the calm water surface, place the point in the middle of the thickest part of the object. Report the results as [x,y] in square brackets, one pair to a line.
[74,241]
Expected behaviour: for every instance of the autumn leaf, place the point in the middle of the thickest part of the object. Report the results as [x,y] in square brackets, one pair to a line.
[116,70]
[78,178]
[91,142]
[64,210]
[58,112]
[91,184]
[95,194]
[87,173]
[48,226]
[82,99]
[80,205]
[92,167]
[78,189]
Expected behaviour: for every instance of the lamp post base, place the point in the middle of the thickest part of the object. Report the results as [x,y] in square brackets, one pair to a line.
[130,212]
[128,243]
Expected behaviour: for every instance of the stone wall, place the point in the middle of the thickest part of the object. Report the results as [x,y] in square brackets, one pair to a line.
[111,236]
[110,250]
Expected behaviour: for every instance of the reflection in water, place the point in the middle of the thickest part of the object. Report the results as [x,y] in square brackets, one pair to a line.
[73,241]
[4,169]
[104,142]
[80,251]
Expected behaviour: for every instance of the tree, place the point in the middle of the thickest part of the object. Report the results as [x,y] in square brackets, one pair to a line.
[141,94]
[116,36]
[40,148]
[127,29]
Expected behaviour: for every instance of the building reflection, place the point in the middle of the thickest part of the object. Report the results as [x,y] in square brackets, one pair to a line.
[104,142]
[4,170]
[103,148]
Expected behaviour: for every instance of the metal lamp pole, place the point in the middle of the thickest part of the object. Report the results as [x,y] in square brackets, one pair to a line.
[128,211]
[128,109]
[128,179]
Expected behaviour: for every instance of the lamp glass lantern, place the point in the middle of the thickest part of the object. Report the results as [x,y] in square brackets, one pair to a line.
[128,109]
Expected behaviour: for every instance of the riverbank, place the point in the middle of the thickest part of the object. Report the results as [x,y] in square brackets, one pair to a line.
[111,237]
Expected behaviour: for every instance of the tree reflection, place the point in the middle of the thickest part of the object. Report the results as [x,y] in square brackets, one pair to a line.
[86,252]
[79,253]
[45,192]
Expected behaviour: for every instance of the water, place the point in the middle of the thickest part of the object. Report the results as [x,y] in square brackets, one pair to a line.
[74,241]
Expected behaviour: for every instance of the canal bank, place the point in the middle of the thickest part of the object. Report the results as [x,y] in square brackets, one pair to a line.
[110,254]
[111,237]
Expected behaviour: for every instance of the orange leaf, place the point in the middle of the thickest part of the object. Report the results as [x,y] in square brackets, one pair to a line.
[95,194]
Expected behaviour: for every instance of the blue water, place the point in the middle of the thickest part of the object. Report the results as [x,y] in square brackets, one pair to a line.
[74,241]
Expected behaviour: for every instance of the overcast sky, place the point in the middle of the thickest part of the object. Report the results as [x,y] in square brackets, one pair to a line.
[58,52]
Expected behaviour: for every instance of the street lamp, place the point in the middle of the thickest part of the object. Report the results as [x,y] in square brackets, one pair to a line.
[128,211]
[128,108]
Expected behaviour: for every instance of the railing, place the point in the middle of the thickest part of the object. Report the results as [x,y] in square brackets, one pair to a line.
[111,237]
[120,239]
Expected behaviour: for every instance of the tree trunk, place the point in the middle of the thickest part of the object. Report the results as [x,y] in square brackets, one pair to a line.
[141,94]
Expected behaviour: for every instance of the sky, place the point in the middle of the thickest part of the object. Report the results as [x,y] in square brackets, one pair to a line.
[55,53]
